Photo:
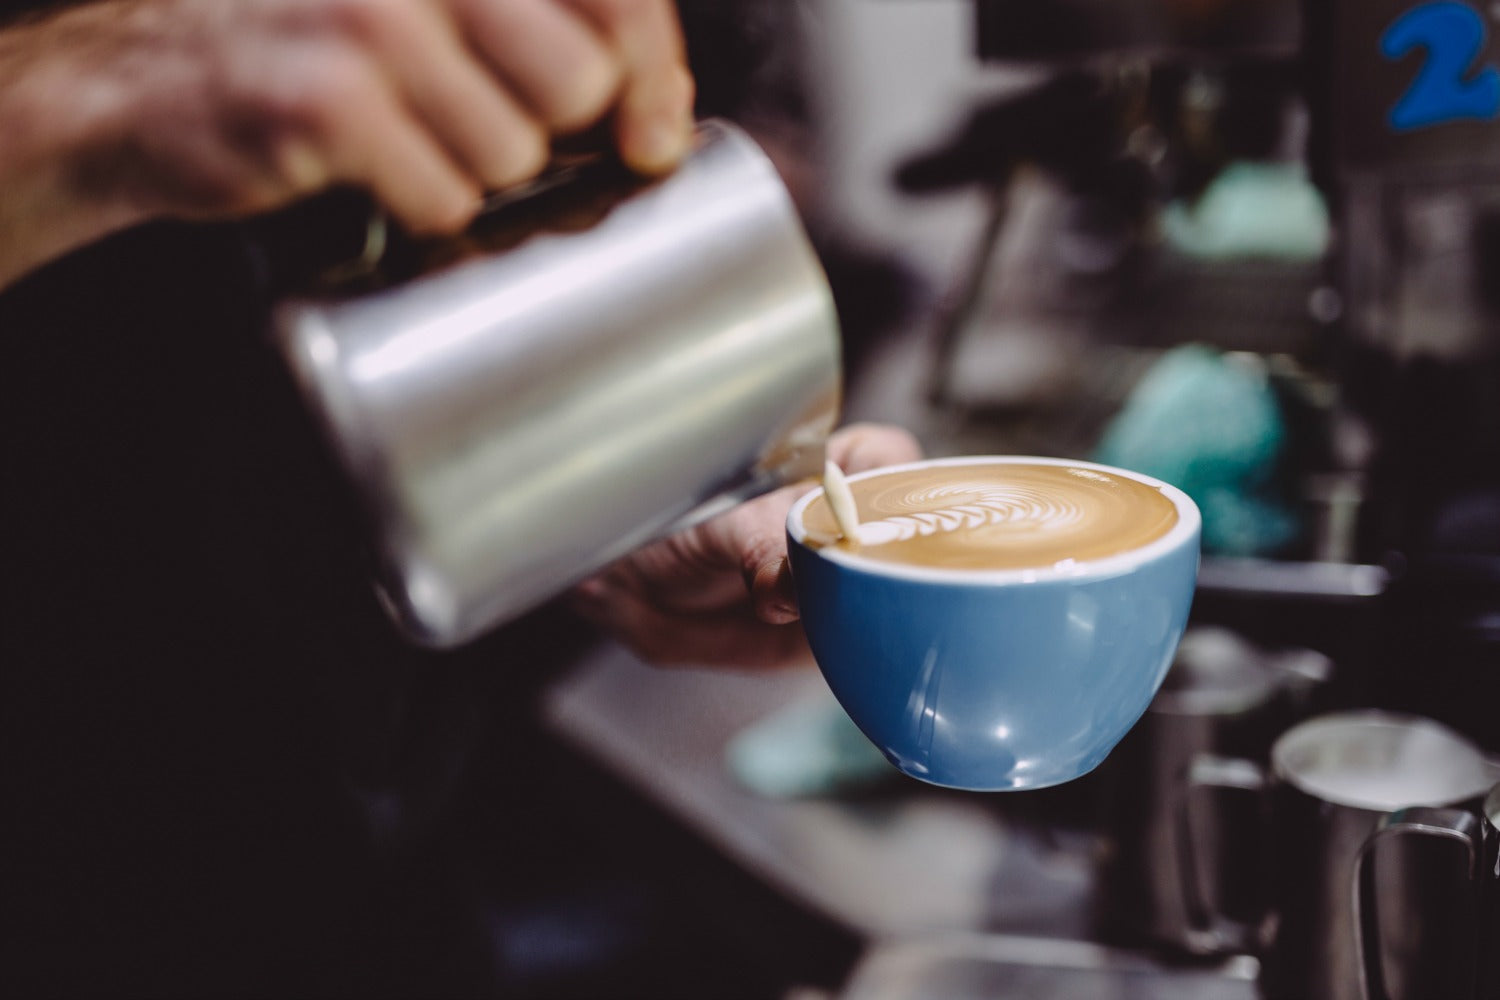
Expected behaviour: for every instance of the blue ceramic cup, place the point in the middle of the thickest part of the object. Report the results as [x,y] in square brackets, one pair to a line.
[996,680]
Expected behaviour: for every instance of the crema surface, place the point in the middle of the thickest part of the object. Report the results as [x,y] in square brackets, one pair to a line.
[997,516]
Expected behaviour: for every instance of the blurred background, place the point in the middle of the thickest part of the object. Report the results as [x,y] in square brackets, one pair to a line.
[1172,235]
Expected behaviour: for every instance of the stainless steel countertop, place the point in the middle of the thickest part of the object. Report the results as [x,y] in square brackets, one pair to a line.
[880,866]
[959,967]
[956,901]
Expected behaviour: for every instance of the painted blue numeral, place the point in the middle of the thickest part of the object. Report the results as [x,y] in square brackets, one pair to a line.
[1453,35]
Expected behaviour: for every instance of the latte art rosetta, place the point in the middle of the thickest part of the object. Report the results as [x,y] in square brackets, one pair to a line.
[971,505]
[998,516]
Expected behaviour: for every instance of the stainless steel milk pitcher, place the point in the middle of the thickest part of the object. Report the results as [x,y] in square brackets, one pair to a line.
[1186,868]
[590,368]
[1460,907]
[1335,779]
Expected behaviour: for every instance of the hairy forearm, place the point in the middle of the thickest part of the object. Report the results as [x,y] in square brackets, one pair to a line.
[124,110]
[48,111]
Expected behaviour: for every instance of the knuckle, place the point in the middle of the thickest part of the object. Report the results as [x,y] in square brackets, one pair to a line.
[366,20]
[291,124]
[863,446]
[295,163]
[644,567]
[693,554]
[585,95]
[757,553]
[321,97]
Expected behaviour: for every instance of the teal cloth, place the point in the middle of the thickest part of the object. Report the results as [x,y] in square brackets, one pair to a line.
[1211,426]
[810,747]
[1267,210]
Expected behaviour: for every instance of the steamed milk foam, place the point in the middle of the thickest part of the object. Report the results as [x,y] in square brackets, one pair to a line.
[997,516]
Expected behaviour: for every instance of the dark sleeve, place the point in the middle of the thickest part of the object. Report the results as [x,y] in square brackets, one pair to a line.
[209,732]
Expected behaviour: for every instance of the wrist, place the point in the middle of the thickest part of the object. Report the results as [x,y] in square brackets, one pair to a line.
[50,110]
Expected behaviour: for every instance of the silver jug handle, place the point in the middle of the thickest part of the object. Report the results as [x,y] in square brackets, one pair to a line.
[1215,932]
[1304,674]
[1449,824]
[379,227]
[371,253]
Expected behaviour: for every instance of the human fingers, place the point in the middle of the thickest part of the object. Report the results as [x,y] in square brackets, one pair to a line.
[654,110]
[743,552]
[738,556]
[683,572]
[557,62]
[863,446]
[366,135]
[723,639]
[485,127]
[756,532]
[752,538]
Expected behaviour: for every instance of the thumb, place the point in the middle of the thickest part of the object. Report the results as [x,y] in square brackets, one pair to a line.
[753,537]
[862,446]
[772,593]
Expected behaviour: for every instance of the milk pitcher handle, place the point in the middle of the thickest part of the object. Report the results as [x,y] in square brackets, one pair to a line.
[1215,931]
[1449,824]
[380,232]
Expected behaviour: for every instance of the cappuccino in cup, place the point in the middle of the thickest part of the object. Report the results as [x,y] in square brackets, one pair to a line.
[999,623]
[994,516]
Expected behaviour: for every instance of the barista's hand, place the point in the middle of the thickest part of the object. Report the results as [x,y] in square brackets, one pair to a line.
[119,111]
[720,594]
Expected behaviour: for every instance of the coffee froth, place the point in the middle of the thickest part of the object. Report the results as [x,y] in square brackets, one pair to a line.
[997,516]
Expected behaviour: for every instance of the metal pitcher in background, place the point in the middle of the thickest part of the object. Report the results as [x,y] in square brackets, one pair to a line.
[1334,780]
[1461,906]
[1187,870]
[596,363]
[1488,972]
[1333,903]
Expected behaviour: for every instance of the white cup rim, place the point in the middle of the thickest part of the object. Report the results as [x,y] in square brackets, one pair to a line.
[1188,524]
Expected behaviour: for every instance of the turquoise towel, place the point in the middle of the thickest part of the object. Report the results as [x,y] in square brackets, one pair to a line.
[1267,210]
[1210,425]
[808,748]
